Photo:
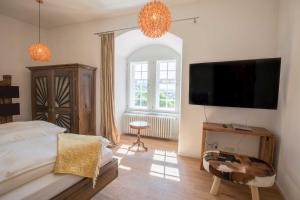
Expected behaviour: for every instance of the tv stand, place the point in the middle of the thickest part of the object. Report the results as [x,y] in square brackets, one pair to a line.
[267,140]
[241,127]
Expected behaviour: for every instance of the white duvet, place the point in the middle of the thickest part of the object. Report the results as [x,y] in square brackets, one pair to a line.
[19,131]
[28,145]
[19,157]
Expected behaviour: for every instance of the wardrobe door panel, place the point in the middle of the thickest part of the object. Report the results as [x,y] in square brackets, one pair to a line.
[86,102]
[64,120]
[63,98]
[62,91]
[41,104]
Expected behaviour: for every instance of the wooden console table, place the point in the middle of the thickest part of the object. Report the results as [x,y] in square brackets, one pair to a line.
[267,140]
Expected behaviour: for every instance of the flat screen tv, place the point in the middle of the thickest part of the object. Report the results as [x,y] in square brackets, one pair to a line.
[244,83]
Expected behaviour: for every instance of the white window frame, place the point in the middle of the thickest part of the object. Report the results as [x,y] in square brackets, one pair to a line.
[131,85]
[177,86]
[152,54]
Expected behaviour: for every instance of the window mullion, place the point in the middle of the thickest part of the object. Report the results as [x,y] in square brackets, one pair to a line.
[156,79]
[152,85]
[131,85]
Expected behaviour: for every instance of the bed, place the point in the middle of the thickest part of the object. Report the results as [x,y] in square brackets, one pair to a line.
[27,159]
[26,166]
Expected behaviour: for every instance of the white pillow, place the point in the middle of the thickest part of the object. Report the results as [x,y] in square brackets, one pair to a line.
[105,142]
[16,131]
[48,127]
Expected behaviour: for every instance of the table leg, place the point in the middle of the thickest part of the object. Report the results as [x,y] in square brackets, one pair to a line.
[254,193]
[143,145]
[138,142]
[203,138]
[215,186]
[266,149]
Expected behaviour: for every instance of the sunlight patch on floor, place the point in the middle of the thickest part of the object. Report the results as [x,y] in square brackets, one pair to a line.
[119,158]
[165,153]
[165,159]
[164,165]
[124,149]
[165,156]
[167,168]
[161,171]
[124,167]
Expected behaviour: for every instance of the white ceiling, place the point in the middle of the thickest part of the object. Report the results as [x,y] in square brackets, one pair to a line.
[62,12]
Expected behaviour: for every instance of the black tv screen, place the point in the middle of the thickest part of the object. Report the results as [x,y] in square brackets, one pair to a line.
[245,83]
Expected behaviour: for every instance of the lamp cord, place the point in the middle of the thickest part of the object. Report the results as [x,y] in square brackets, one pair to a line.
[205,113]
[39,22]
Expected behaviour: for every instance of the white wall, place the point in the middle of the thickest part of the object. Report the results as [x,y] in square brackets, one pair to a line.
[15,38]
[288,176]
[78,44]
[226,30]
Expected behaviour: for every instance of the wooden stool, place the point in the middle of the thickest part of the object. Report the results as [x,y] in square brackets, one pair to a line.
[239,169]
[139,125]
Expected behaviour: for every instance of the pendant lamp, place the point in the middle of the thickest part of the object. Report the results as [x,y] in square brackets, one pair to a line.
[39,51]
[154,19]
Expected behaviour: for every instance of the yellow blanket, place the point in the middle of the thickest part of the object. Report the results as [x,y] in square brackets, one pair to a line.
[79,155]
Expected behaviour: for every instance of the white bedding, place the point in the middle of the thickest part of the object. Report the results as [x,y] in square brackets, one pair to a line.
[49,185]
[18,131]
[28,153]
[19,157]
[43,188]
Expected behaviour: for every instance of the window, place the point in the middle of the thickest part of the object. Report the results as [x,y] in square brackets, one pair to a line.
[153,86]
[166,97]
[139,85]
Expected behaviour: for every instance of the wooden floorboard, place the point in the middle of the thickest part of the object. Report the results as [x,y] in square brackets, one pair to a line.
[161,174]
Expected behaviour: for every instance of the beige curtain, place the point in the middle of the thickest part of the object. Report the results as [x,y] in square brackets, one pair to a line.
[107,125]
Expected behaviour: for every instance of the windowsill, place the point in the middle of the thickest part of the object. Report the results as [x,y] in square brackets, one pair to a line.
[158,113]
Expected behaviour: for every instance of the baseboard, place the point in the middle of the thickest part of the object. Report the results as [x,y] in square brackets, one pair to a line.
[281,191]
[189,155]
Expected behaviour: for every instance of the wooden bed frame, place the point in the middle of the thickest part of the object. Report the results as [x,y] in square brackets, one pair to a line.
[7,107]
[83,189]
[5,82]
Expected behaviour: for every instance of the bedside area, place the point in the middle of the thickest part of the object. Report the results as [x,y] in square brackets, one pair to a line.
[266,139]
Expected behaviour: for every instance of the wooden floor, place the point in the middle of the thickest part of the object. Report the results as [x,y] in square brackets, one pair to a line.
[161,174]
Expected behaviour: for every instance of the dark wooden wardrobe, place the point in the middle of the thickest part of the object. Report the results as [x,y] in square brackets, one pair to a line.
[65,95]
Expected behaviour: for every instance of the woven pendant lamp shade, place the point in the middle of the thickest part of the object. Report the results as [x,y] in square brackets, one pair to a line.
[39,52]
[154,19]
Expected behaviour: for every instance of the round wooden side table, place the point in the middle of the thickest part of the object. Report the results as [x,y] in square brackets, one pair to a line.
[139,125]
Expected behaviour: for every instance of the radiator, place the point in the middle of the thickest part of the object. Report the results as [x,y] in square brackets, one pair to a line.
[160,126]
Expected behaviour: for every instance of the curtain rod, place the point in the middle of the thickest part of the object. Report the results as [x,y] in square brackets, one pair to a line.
[136,27]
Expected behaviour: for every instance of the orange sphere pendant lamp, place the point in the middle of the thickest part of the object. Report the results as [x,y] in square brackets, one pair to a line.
[154,19]
[39,51]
